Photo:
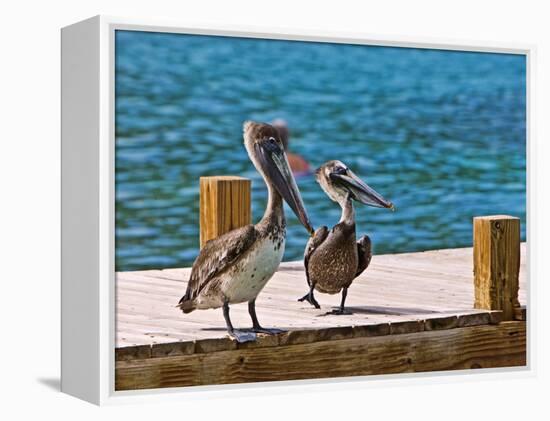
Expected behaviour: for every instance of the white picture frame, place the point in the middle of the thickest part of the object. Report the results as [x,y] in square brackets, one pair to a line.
[88,290]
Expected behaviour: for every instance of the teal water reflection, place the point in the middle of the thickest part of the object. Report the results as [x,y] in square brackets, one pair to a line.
[440,133]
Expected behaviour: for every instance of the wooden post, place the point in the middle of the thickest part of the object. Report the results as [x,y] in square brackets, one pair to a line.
[496,263]
[224,205]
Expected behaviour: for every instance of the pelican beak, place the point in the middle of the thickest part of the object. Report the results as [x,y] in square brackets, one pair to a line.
[360,191]
[275,165]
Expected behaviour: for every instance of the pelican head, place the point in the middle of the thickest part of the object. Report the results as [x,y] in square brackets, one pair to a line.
[339,183]
[266,150]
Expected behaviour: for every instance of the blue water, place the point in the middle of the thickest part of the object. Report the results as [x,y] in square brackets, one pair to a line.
[440,133]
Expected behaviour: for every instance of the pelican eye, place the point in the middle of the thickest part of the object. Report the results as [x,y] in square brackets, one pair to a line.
[340,170]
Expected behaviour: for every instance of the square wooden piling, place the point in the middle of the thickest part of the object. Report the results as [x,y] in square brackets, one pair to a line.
[497,263]
[224,205]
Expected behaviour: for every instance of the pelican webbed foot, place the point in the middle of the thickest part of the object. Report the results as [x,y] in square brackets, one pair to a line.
[270,331]
[342,309]
[239,335]
[339,311]
[256,327]
[242,336]
[310,299]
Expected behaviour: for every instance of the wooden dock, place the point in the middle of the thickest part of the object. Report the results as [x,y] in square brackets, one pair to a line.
[412,312]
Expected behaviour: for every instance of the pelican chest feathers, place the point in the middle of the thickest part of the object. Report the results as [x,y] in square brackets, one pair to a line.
[334,258]
[235,267]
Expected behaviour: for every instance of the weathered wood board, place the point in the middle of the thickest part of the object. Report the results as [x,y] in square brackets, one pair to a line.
[420,305]
[482,346]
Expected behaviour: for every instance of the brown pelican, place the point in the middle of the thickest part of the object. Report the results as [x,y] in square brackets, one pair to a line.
[234,267]
[333,259]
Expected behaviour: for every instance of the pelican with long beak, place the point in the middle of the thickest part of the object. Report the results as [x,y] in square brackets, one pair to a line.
[235,267]
[333,259]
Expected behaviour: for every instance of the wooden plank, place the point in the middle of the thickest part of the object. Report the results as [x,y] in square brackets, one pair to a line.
[502,345]
[199,342]
[224,205]
[439,323]
[497,263]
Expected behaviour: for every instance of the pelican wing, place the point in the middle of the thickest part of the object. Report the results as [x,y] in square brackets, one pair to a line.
[216,256]
[313,243]
[364,252]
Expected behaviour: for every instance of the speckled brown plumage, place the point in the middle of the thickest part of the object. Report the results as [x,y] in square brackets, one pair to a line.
[333,258]
[364,254]
[216,257]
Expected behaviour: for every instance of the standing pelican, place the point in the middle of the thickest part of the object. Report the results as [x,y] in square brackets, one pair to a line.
[333,259]
[235,267]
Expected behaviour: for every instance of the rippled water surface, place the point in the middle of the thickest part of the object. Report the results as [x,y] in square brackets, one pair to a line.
[440,133]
